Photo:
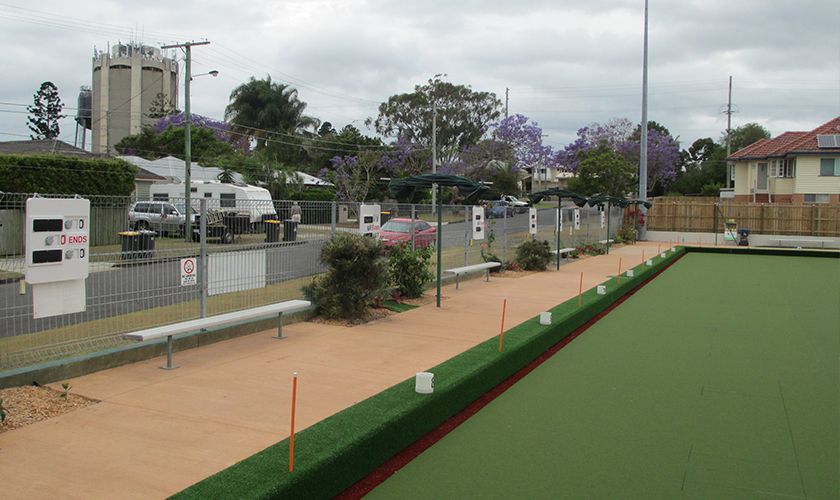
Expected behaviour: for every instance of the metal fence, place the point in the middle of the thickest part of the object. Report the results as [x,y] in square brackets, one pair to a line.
[137,278]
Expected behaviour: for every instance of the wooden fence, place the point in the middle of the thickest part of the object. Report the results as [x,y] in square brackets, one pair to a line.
[701,215]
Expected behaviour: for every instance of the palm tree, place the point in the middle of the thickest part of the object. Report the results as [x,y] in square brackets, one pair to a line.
[259,107]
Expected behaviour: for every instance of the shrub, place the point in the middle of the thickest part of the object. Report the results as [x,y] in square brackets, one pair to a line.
[592,249]
[410,269]
[533,255]
[357,273]
[489,255]
[626,233]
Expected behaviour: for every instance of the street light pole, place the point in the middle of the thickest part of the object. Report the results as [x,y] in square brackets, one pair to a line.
[187,135]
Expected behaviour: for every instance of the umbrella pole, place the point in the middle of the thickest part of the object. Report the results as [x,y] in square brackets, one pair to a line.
[439,239]
[608,228]
[559,218]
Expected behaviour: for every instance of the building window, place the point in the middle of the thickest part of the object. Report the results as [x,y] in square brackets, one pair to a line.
[816,198]
[783,168]
[228,200]
[830,166]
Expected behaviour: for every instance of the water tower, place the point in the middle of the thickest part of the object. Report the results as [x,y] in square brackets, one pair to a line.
[83,117]
[125,83]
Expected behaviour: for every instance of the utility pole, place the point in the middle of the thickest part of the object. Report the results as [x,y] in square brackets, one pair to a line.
[187,134]
[729,134]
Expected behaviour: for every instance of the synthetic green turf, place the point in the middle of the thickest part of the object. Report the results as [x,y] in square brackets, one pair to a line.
[718,380]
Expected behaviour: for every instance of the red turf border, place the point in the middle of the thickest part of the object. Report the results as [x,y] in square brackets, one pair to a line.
[401,459]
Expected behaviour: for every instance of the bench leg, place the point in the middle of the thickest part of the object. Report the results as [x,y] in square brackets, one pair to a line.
[488,275]
[168,355]
[279,328]
[457,276]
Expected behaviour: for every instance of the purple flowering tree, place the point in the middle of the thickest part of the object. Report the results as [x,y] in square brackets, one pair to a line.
[620,136]
[353,176]
[220,129]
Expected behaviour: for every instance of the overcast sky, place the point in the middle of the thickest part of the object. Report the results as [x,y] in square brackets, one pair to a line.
[567,63]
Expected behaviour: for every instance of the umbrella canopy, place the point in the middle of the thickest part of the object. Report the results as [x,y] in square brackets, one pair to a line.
[471,190]
[576,198]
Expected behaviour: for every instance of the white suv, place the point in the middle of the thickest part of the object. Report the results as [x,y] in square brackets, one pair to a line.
[159,216]
[517,204]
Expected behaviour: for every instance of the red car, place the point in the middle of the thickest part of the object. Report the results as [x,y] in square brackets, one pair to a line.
[398,230]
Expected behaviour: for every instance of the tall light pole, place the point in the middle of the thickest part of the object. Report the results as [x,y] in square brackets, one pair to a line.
[643,146]
[187,135]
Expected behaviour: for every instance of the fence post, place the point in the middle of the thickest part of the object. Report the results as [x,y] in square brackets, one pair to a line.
[333,217]
[466,235]
[204,279]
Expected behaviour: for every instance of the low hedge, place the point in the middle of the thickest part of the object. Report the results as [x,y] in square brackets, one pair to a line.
[338,451]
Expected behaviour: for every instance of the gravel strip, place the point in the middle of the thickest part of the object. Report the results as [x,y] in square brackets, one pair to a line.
[29,404]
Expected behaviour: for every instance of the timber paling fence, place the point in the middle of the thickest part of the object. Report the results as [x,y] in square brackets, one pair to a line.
[131,288]
[701,215]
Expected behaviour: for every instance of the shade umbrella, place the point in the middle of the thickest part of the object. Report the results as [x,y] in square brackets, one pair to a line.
[577,199]
[470,190]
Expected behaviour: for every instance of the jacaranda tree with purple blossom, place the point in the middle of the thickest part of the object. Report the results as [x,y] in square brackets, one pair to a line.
[619,136]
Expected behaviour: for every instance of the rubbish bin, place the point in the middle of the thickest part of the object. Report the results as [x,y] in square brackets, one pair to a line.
[272,231]
[290,230]
[384,217]
[743,237]
[129,245]
[237,222]
[146,244]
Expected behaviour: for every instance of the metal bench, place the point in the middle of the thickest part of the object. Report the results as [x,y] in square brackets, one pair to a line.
[221,319]
[794,242]
[564,251]
[458,271]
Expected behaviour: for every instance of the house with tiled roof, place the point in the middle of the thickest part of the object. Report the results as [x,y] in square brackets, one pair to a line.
[795,167]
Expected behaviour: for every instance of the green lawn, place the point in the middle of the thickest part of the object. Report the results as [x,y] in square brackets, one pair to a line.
[718,380]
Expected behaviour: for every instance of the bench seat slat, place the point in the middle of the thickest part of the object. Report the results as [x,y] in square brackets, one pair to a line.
[474,267]
[220,319]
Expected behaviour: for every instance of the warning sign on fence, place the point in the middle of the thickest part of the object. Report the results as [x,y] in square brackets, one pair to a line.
[188,274]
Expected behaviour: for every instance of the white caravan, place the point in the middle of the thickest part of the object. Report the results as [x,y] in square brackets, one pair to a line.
[240,198]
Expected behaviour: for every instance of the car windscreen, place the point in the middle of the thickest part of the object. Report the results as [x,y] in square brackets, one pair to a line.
[393,226]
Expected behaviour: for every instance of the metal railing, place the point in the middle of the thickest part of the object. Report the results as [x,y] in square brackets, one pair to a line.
[137,277]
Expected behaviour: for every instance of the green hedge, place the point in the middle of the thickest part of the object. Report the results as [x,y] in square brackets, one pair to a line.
[56,174]
[340,450]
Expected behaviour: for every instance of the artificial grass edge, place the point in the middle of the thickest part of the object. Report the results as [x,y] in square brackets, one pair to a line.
[336,452]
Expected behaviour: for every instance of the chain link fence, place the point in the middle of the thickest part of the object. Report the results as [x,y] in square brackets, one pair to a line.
[146,271]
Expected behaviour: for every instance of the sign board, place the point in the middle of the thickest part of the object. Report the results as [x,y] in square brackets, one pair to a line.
[603,220]
[577,219]
[188,272]
[532,220]
[57,254]
[57,239]
[558,226]
[477,223]
[369,217]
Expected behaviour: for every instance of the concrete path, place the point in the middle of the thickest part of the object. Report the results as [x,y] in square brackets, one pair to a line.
[156,432]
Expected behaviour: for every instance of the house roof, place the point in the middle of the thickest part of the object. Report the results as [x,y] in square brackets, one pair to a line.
[43,147]
[790,143]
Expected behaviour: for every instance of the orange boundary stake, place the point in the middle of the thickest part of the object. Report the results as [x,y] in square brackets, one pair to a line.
[619,271]
[502,334]
[580,291]
[292,437]
[659,251]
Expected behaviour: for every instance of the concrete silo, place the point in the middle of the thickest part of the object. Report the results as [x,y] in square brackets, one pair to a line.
[125,83]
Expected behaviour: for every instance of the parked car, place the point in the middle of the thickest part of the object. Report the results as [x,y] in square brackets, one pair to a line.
[160,216]
[398,230]
[498,208]
[517,204]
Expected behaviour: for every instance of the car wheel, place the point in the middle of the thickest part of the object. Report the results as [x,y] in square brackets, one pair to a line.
[227,237]
[143,225]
